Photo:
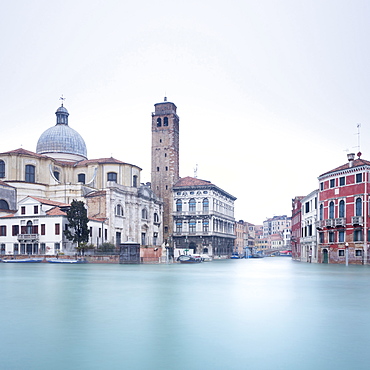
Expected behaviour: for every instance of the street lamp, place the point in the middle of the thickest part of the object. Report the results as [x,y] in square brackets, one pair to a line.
[346,245]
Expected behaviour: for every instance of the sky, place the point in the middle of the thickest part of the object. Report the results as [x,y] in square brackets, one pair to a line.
[269,93]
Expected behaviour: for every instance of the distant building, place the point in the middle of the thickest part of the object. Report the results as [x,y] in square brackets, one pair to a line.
[203,216]
[296,232]
[343,224]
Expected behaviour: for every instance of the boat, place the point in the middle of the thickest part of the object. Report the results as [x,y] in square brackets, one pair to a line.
[63,260]
[187,258]
[23,260]
[235,256]
[206,258]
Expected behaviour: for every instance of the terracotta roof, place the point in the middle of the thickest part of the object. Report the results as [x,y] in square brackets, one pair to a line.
[191,181]
[50,202]
[110,160]
[56,211]
[100,219]
[95,193]
[356,163]
[11,213]
[25,152]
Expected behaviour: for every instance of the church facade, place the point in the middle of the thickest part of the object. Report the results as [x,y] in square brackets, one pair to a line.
[120,208]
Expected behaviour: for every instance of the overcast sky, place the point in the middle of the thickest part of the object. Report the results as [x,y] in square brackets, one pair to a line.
[269,93]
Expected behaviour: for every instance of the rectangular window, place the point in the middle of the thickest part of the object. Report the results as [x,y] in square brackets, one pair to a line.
[23,210]
[178,226]
[106,234]
[358,177]
[331,237]
[332,183]
[2,249]
[90,232]
[307,207]
[341,252]
[321,237]
[357,235]
[30,173]
[15,230]
[57,229]
[321,186]
[35,210]
[42,248]
[3,230]
[358,252]
[16,248]
[42,229]
[192,226]
[57,247]
[341,236]
[342,181]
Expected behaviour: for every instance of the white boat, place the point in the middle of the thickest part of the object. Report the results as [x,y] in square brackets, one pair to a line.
[24,260]
[63,260]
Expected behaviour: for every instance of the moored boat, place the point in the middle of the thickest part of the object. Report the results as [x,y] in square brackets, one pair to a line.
[63,260]
[186,258]
[23,260]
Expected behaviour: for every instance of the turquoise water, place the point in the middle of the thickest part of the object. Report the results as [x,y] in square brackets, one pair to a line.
[268,313]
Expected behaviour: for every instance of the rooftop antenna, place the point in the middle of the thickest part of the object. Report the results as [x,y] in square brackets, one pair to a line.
[196,171]
[62,99]
[358,140]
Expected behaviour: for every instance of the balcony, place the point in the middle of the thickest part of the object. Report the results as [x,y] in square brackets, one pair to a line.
[340,222]
[28,237]
[329,222]
[357,220]
[319,224]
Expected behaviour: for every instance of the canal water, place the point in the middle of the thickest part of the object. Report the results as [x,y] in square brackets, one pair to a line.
[254,314]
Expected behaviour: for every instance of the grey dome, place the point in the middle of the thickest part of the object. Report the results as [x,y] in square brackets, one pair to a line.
[61,138]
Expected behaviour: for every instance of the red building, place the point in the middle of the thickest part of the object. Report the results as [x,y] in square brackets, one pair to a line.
[343,217]
[296,228]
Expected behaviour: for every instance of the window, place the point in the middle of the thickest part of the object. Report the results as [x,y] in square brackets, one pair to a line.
[166,168]
[321,186]
[3,230]
[342,181]
[341,208]
[81,178]
[2,169]
[205,226]
[331,209]
[331,237]
[4,204]
[358,207]
[358,252]
[23,210]
[30,173]
[321,212]
[144,213]
[29,227]
[321,237]
[357,235]
[358,177]
[35,210]
[205,205]
[134,181]
[179,226]
[119,210]
[332,183]
[57,229]
[112,176]
[57,247]
[56,175]
[341,236]
[341,252]
[165,121]
[179,205]
[159,122]
[192,226]
[157,169]
[307,207]
[156,218]
[192,205]
[15,230]
[42,229]
[42,248]
[2,248]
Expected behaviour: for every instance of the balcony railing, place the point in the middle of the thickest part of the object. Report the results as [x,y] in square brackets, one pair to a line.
[28,237]
[329,222]
[341,221]
[357,220]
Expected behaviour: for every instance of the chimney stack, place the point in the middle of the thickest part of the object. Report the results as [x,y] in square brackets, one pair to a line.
[351,157]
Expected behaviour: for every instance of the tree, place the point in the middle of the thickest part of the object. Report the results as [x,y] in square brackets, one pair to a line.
[77,230]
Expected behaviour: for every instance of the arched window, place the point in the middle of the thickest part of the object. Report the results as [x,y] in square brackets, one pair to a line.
[4,204]
[358,207]
[144,214]
[159,122]
[331,209]
[81,177]
[205,205]
[179,205]
[119,210]
[56,175]
[165,121]
[156,218]
[29,227]
[321,212]
[192,205]
[341,208]
[112,176]
[30,173]
[2,169]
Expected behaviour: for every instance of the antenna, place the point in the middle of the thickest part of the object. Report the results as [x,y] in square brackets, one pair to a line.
[196,171]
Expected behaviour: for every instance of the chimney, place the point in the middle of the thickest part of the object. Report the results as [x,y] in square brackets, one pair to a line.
[351,157]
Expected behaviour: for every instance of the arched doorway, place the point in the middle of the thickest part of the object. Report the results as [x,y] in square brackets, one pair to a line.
[325,256]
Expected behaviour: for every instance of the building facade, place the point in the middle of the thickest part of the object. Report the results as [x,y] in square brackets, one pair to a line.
[296,228]
[203,216]
[343,207]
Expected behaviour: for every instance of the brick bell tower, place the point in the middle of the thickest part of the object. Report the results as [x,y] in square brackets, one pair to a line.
[165,159]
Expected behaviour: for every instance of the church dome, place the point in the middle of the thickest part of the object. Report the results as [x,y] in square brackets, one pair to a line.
[62,142]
